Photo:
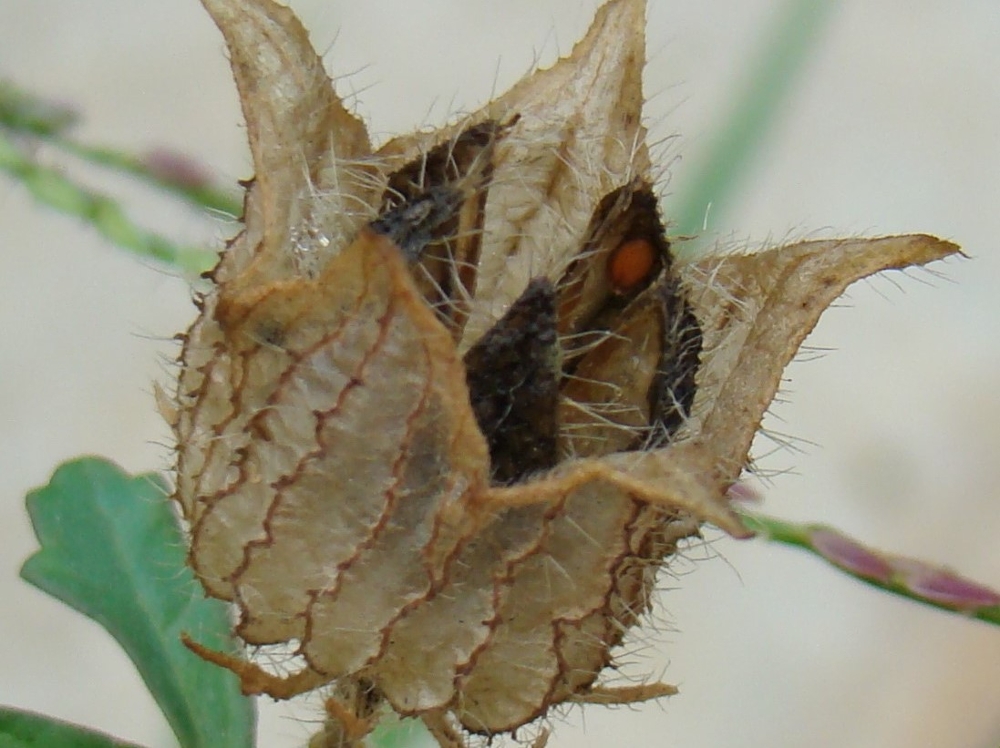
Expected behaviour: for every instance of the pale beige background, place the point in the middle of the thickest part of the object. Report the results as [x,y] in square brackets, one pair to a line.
[894,128]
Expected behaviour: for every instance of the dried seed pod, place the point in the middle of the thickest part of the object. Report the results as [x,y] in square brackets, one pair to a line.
[451,405]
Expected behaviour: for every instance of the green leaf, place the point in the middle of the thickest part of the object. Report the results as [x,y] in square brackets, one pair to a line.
[112,549]
[20,729]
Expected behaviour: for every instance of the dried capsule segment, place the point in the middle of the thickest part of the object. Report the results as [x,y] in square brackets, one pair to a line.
[204,407]
[448,264]
[353,514]
[586,646]
[632,345]
[578,135]
[672,391]
[274,390]
[350,620]
[564,579]
[625,251]
[513,375]
[754,312]
[312,176]
[585,578]
[635,387]
[313,487]
[435,643]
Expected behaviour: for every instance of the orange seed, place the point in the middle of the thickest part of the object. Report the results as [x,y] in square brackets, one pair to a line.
[631,264]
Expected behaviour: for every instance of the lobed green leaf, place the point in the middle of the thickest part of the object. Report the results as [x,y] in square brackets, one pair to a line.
[112,549]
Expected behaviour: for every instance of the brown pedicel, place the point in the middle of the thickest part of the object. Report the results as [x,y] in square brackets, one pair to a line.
[451,405]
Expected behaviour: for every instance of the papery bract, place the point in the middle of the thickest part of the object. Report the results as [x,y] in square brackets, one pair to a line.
[452,404]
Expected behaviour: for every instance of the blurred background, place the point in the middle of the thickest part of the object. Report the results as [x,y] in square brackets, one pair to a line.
[893,435]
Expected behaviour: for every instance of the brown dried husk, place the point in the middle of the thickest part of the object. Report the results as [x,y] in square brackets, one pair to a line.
[330,466]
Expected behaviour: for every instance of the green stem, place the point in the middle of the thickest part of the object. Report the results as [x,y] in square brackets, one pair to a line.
[52,188]
[915,580]
[22,112]
[786,47]
[200,196]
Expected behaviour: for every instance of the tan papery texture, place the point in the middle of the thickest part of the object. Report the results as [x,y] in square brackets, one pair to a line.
[331,467]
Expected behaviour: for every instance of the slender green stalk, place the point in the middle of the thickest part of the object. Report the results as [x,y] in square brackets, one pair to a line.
[196,192]
[23,113]
[54,189]
[786,47]
[907,577]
